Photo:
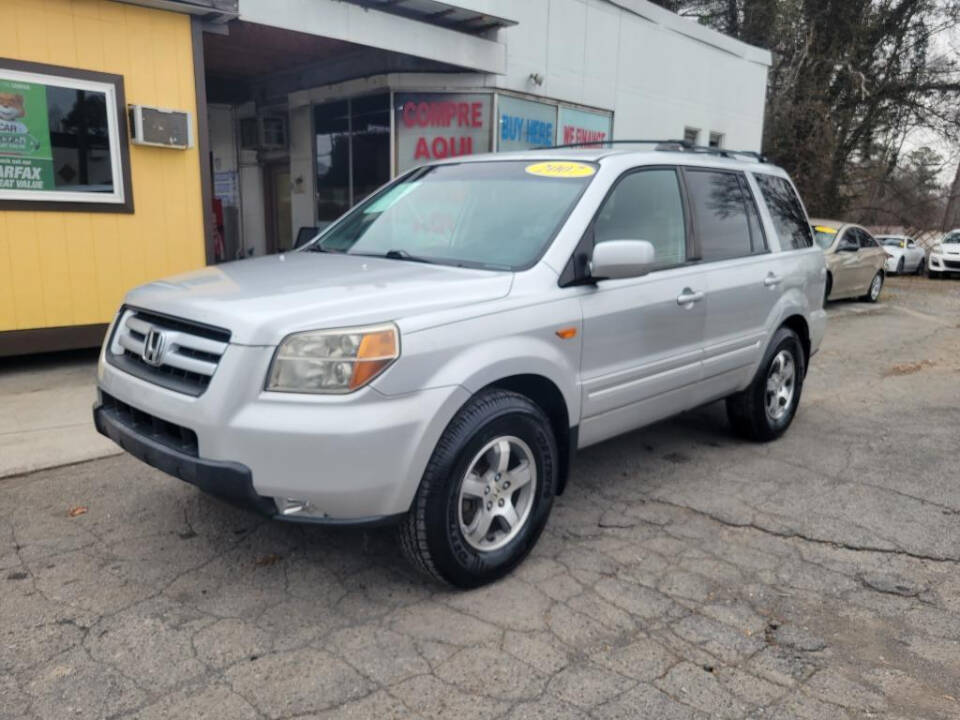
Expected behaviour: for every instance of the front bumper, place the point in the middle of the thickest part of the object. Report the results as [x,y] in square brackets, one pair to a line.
[350,459]
[230,481]
[944,263]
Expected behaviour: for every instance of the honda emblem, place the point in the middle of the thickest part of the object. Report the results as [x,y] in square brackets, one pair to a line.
[153,348]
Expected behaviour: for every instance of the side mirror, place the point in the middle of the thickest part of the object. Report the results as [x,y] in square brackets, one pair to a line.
[616,259]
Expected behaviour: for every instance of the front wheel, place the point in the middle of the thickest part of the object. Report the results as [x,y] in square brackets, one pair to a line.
[876,285]
[486,493]
[765,410]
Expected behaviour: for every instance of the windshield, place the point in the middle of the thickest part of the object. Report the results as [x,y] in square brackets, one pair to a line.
[892,241]
[499,214]
[951,239]
[824,235]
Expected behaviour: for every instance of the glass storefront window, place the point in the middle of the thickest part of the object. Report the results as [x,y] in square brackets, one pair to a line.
[353,152]
[524,124]
[434,126]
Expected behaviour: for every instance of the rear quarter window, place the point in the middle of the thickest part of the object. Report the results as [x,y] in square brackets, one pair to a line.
[787,213]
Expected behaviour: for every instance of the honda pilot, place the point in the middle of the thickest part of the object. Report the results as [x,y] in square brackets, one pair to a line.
[436,357]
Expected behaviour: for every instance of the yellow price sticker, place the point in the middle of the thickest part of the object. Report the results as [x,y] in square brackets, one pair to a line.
[561,169]
[825,230]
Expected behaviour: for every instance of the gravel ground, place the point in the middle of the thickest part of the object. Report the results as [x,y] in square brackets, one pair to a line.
[684,574]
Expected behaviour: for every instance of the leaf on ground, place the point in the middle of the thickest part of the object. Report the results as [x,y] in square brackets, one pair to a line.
[264,560]
[77,510]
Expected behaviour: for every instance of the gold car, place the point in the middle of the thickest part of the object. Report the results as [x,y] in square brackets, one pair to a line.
[854,260]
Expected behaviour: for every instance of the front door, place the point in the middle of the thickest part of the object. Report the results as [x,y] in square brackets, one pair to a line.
[642,337]
[845,267]
[277,199]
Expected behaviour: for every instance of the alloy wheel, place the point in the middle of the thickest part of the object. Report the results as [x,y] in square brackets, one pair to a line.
[496,493]
[781,385]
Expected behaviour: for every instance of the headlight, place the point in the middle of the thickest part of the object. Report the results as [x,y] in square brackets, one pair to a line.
[333,361]
[938,248]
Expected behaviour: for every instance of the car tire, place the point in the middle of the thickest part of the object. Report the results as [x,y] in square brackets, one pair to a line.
[436,533]
[900,267]
[753,413]
[932,274]
[828,289]
[876,286]
[920,266]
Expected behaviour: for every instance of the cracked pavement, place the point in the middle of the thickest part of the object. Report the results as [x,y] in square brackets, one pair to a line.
[684,574]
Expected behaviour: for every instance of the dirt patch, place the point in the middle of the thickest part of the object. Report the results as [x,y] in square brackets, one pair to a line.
[908,368]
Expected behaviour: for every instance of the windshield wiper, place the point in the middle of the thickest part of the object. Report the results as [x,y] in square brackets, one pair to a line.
[397,255]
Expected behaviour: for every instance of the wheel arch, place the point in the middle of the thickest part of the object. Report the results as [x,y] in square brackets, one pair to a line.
[548,396]
[798,323]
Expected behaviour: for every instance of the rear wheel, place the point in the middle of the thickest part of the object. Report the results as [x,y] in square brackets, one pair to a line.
[486,494]
[900,267]
[829,289]
[876,285]
[920,266]
[765,410]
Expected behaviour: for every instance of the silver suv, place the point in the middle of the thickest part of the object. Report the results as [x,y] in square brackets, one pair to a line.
[437,356]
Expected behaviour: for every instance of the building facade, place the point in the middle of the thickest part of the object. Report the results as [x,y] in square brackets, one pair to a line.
[288,112]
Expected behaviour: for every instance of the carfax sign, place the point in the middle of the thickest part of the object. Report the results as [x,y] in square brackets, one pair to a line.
[26,161]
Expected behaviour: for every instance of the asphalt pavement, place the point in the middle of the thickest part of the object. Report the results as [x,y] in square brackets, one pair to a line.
[684,574]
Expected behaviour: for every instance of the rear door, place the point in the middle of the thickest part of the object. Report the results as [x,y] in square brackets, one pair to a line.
[642,337]
[743,282]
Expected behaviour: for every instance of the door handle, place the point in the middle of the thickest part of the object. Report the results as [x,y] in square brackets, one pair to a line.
[689,297]
[772,280]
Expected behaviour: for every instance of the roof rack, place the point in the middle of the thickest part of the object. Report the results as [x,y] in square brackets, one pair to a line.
[664,145]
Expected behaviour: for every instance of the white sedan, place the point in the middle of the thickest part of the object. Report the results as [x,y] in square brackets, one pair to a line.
[904,254]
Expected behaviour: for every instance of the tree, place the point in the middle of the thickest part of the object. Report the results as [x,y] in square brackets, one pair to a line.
[850,80]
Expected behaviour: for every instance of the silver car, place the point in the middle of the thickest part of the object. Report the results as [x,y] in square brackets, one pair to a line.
[437,356]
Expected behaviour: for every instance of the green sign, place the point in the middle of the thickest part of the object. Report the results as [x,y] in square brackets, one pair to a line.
[26,161]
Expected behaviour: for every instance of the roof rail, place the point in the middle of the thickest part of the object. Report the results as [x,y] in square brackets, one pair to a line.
[664,145]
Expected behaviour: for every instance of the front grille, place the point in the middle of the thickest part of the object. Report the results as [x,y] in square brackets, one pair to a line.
[952,264]
[166,433]
[183,355]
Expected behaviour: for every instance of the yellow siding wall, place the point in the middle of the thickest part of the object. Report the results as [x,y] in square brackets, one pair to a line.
[73,268]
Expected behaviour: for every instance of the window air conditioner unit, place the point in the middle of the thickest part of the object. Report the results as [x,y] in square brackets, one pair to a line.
[263,132]
[160,128]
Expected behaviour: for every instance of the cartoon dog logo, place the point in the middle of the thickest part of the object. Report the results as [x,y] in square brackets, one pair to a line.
[11,110]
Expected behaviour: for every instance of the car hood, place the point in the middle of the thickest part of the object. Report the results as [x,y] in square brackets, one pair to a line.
[262,300]
[951,249]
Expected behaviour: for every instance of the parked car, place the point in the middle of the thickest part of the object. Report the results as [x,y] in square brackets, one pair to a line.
[437,355]
[945,256]
[855,260]
[904,255]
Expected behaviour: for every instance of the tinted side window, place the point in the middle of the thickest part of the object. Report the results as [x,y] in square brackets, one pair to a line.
[866,240]
[787,212]
[720,212]
[646,205]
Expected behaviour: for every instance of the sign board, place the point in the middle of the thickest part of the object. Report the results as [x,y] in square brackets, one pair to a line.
[435,126]
[524,124]
[580,126]
[26,160]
